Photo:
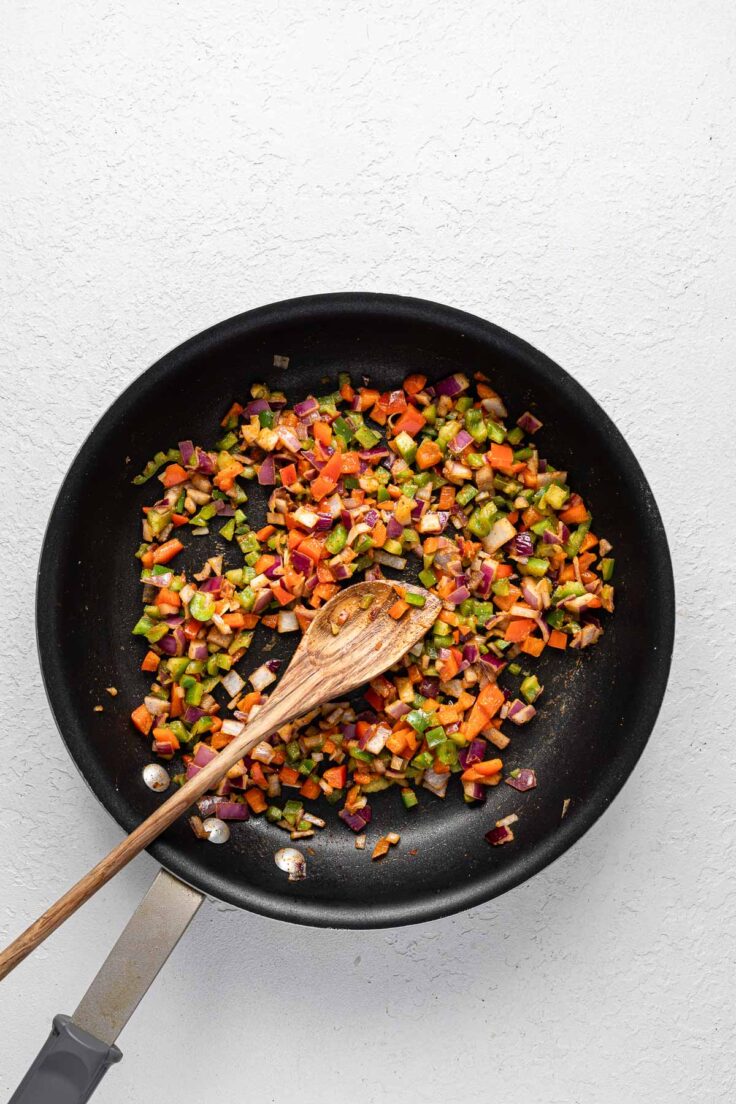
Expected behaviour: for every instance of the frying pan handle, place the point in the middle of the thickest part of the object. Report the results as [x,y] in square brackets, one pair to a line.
[73,1059]
[68,1068]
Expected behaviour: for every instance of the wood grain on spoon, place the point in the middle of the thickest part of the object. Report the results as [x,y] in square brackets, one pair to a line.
[325,665]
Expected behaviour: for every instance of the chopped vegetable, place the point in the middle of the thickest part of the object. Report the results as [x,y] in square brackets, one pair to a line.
[430,477]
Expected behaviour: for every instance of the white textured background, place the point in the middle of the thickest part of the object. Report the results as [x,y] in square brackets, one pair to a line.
[566,170]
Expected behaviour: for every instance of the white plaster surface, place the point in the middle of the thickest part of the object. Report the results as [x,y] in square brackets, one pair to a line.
[566,170]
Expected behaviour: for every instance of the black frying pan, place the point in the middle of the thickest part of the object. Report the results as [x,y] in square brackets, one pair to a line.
[596,717]
[600,705]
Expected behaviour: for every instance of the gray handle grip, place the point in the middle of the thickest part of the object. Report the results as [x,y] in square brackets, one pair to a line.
[68,1068]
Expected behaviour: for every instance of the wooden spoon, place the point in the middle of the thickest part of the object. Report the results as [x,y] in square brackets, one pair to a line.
[325,665]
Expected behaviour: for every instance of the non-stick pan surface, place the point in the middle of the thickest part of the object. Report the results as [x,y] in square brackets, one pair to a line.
[599,708]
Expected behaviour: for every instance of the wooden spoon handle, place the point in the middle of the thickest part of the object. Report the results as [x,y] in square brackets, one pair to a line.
[280,708]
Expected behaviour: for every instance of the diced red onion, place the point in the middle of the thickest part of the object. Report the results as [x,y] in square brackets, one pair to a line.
[460,442]
[522,544]
[500,834]
[308,406]
[452,385]
[205,463]
[211,585]
[300,562]
[159,580]
[471,653]
[263,599]
[256,406]
[186,448]
[519,712]
[394,528]
[358,820]
[436,783]
[198,650]
[461,594]
[525,780]
[267,472]
[529,423]
[389,560]
[203,755]
[474,791]
[429,687]
[231,810]
[289,440]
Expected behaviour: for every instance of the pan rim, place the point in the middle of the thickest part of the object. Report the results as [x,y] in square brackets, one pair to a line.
[421,908]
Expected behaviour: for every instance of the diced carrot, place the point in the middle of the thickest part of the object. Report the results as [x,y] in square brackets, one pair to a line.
[325,591]
[294,538]
[234,620]
[150,662]
[167,551]
[310,789]
[514,517]
[282,596]
[378,535]
[574,515]
[256,800]
[266,532]
[590,540]
[288,475]
[220,740]
[326,481]
[233,412]
[414,384]
[271,621]
[263,563]
[336,776]
[567,574]
[398,609]
[428,454]
[518,630]
[487,769]
[347,392]
[166,597]
[411,421]
[447,497]
[177,701]
[147,558]
[381,848]
[225,479]
[350,463]
[256,773]
[288,776]
[396,743]
[174,474]
[533,645]
[177,520]
[374,700]
[322,432]
[367,398]
[500,456]
[142,719]
[491,698]
[168,735]
[557,639]
[503,571]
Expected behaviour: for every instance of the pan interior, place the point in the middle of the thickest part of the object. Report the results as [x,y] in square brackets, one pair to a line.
[599,706]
